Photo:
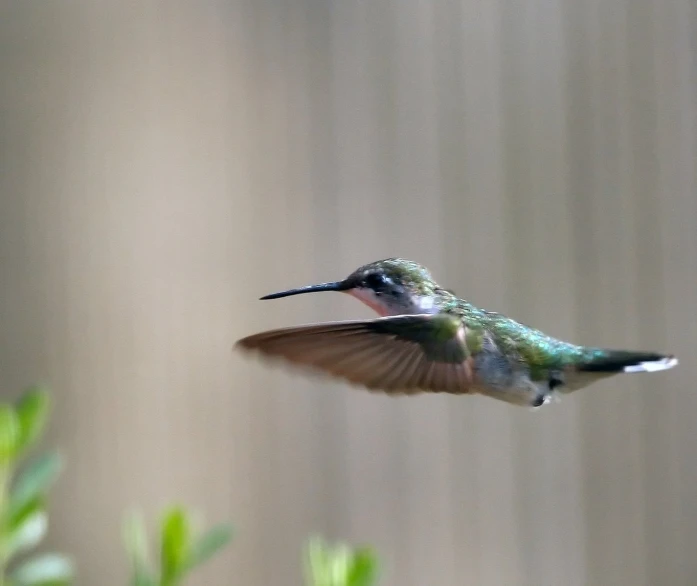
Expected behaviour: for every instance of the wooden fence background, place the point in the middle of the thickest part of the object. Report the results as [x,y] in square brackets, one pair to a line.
[163,164]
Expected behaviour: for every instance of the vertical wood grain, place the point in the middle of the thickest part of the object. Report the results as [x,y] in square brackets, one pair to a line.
[164,164]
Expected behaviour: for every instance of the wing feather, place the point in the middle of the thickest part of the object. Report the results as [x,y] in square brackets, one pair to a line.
[396,355]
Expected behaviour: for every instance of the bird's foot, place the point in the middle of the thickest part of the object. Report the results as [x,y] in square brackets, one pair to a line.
[544,398]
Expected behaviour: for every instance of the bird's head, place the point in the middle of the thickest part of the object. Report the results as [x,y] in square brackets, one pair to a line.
[392,286]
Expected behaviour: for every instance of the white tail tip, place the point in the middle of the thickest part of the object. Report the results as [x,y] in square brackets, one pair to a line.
[654,365]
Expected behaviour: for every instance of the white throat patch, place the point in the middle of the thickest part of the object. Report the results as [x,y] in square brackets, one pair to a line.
[426,304]
[385,306]
[373,301]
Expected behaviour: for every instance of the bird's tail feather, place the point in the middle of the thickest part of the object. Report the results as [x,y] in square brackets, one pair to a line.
[611,361]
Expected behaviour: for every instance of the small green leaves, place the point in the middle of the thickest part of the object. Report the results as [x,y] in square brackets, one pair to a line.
[176,543]
[16,518]
[181,550]
[208,544]
[32,412]
[34,481]
[135,538]
[23,516]
[340,565]
[9,434]
[22,424]
[45,570]
[136,542]
[27,534]
[364,570]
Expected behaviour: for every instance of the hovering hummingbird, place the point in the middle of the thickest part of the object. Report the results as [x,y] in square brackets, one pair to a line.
[429,340]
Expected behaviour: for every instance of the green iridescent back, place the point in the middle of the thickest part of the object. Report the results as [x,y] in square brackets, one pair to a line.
[538,350]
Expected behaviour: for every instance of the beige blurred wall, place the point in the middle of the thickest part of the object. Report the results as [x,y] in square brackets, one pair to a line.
[162,164]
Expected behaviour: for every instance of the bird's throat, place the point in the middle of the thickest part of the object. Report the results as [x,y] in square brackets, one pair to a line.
[373,301]
[386,306]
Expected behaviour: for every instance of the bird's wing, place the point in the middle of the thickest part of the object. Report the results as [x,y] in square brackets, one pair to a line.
[401,354]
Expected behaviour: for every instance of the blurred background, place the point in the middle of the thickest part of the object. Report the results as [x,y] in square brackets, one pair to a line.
[163,164]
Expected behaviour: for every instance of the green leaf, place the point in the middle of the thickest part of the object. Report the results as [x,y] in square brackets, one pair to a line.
[9,434]
[135,538]
[19,515]
[208,544]
[364,568]
[142,576]
[175,544]
[34,481]
[46,570]
[32,412]
[317,565]
[340,565]
[136,542]
[27,534]
[14,523]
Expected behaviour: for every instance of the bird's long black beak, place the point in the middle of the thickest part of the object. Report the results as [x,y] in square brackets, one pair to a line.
[336,286]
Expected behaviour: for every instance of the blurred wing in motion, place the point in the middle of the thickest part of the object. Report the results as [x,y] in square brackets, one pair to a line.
[402,354]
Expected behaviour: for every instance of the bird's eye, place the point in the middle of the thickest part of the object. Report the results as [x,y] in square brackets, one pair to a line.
[376,281]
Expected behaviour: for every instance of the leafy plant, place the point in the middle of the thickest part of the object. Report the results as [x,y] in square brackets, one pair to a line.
[339,565]
[23,496]
[181,548]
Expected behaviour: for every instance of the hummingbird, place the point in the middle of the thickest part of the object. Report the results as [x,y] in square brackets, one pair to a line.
[428,340]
